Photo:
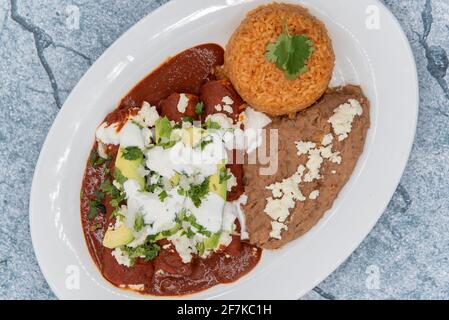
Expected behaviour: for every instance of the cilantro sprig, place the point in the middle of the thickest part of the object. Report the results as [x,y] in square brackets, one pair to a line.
[132,153]
[290,53]
[196,192]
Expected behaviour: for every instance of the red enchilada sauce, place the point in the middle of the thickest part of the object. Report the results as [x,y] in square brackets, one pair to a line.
[166,274]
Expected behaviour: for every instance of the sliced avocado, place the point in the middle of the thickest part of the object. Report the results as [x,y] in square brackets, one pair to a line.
[214,183]
[119,237]
[163,130]
[212,242]
[192,136]
[175,180]
[128,168]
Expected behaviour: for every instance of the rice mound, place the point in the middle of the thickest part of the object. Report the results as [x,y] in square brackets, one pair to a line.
[260,83]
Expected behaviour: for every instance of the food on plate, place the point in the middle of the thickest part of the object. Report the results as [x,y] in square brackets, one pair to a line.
[319,150]
[272,32]
[161,196]
[171,203]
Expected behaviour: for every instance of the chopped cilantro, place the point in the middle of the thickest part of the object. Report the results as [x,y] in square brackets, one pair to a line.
[117,201]
[95,160]
[204,142]
[290,53]
[191,219]
[99,195]
[119,176]
[148,251]
[200,248]
[224,175]
[108,188]
[132,153]
[199,108]
[189,233]
[170,232]
[209,124]
[187,119]
[196,192]
[95,207]
[93,157]
[163,195]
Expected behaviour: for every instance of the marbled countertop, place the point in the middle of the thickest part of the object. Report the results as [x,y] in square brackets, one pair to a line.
[44,52]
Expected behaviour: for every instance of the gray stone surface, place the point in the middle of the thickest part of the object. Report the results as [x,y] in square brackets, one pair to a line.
[42,58]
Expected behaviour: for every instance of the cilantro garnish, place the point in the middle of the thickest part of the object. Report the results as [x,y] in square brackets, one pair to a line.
[149,250]
[187,119]
[163,195]
[198,192]
[224,175]
[189,233]
[119,176]
[95,207]
[290,53]
[200,248]
[209,124]
[132,153]
[191,219]
[204,142]
[108,188]
[95,160]
[199,108]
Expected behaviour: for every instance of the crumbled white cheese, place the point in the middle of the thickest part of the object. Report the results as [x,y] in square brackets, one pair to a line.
[223,120]
[334,171]
[279,209]
[313,165]
[232,181]
[218,107]
[304,147]
[276,229]
[314,194]
[344,116]
[227,108]
[326,153]
[286,192]
[182,103]
[121,257]
[327,139]
[101,150]
[253,119]
[147,115]
[108,134]
[227,100]
[183,246]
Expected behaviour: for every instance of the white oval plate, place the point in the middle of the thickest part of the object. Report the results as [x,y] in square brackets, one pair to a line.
[371,50]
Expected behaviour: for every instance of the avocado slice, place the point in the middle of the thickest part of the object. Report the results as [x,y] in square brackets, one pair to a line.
[214,183]
[128,168]
[212,242]
[119,237]
[192,136]
[175,179]
[163,130]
